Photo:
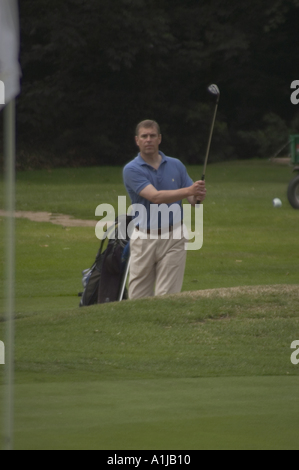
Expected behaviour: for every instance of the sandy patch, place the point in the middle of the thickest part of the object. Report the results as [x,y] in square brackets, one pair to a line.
[57,219]
[279,289]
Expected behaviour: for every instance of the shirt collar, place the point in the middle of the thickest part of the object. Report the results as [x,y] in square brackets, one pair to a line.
[142,162]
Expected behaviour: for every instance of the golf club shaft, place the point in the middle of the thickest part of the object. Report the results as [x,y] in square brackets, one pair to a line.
[209,143]
[126,273]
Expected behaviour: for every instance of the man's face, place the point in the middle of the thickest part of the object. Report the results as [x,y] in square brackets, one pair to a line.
[148,141]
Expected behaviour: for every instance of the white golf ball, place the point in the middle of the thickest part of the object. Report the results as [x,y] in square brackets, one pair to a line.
[277,202]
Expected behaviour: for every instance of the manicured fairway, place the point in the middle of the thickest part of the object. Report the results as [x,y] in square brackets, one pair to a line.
[182,414]
[207,369]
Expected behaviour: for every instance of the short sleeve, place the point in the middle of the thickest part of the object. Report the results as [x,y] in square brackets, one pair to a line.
[186,181]
[135,180]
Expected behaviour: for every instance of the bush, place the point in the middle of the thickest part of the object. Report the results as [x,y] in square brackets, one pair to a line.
[266,141]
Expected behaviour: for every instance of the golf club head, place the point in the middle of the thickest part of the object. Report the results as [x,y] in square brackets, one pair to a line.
[214,90]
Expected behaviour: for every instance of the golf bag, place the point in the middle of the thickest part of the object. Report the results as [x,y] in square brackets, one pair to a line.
[103,282]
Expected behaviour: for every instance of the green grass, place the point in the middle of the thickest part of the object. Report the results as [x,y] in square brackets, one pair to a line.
[248,333]
[202,370]
[240,223]
[186,372]
[159,414]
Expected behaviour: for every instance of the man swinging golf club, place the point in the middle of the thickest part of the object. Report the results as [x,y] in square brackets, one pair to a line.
[157,265]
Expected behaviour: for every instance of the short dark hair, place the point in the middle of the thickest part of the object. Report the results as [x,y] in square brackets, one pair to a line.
[147,124]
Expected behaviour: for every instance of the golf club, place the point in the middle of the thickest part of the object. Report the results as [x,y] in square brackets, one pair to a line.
[214,90]
[124,281]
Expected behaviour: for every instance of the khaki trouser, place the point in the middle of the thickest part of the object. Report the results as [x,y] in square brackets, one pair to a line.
[157,266]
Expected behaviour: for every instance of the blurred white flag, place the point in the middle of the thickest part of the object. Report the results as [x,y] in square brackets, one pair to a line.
[10,71]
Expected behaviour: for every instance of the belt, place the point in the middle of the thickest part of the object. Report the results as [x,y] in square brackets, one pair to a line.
[156,232]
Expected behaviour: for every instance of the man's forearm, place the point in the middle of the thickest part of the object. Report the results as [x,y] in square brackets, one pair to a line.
[171,196]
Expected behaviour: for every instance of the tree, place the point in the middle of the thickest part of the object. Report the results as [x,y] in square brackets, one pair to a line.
[92,70]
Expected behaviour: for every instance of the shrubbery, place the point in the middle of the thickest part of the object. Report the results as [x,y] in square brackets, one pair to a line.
[92,70]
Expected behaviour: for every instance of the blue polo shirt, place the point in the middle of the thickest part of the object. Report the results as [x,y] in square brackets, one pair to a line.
[170,175]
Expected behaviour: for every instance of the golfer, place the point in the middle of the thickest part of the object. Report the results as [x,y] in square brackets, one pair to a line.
[157,264]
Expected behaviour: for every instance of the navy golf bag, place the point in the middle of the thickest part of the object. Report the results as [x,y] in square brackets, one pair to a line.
[105,281]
